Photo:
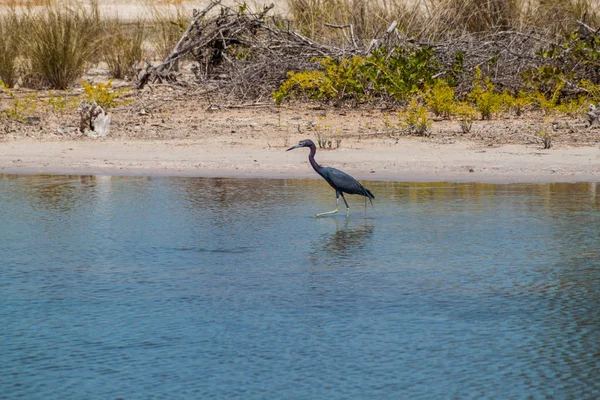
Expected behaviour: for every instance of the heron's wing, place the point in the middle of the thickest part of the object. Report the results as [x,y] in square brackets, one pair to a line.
[344,182]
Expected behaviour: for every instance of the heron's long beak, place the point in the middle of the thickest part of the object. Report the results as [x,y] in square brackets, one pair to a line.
[295,147]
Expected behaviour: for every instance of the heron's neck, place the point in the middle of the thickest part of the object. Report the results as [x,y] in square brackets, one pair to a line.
[311,158]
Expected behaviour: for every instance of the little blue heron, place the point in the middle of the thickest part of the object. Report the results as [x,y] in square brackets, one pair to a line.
[340,181]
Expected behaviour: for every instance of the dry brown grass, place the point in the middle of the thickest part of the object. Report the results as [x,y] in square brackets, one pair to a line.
[165,27]
[456,17]
[170,2]
[440,19]
[123,46]
[557,17]
[26,3]
[10,47]
[363,19]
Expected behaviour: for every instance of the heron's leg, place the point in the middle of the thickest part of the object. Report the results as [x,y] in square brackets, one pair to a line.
[347,206]
[337,206]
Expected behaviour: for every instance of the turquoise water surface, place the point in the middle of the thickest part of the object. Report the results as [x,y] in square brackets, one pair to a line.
[179,288]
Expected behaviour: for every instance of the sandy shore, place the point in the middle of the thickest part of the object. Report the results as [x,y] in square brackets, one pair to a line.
[181,131]
[407,160]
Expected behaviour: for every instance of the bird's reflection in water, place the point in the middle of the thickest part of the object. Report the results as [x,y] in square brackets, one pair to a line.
[345,242]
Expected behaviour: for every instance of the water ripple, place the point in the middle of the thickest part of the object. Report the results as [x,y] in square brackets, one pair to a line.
[116,287]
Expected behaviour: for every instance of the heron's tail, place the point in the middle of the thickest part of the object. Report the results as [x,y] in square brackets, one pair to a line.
[368,195]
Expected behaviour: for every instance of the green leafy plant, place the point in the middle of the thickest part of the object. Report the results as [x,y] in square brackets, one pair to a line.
[557,102]
[19,109]
[573,107]
[440,98]
[344,78]
[401,72]
[336,80]
[544,79]
[520,102]
[310,84]
[466,114]
[103,95]
[61,103]
[415,120]
[486,100]
[397,73]
[458,69]
[577,58]
[549,102]
[591,90]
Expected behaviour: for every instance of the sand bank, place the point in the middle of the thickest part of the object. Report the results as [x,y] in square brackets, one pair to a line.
[407,160]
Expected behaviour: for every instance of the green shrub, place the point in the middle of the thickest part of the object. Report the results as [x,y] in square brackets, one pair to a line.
[103,95]
[520,102]
[466,114]
[345,78]
[310,84]
[415,120]
[401,72]
[573,107]
[336,80]
[549,102]
[440,98]
[397,73]
[565,65]
[19,109]
[486,100]
[591,90]
[61,103]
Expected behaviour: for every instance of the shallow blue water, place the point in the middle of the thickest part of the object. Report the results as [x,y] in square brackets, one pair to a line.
[174,288]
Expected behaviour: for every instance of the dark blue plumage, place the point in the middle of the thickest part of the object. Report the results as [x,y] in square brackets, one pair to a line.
[338,180]
[343,182]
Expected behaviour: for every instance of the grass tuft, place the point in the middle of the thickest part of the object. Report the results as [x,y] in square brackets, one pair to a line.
[9,47]
[123,47]
[62,40]
[167,27]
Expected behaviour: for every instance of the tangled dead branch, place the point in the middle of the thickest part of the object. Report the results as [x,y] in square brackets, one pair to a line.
[247,55]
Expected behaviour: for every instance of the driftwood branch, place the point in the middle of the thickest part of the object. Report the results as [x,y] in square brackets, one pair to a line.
[185,35]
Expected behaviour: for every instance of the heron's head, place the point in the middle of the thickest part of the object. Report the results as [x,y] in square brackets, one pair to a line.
[592,107]
[303,143]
